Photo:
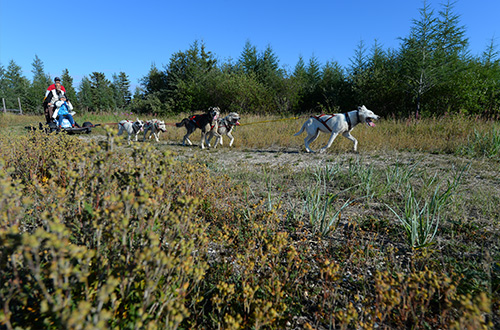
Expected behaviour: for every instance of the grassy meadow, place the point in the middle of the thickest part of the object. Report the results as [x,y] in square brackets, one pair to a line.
[404,234]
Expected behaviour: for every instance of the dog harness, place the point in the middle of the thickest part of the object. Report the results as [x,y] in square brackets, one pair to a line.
[226,124]
[193,119]
[348,119]
[134,126]
[321,119]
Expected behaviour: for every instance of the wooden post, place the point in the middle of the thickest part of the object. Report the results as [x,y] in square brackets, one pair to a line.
[4,108]
[20,109]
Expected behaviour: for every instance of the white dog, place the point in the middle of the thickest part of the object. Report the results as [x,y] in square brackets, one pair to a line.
[225,126]
[131,127]
[156,127]
[336,124]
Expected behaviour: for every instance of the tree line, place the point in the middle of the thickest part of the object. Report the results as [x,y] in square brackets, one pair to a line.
[431,73]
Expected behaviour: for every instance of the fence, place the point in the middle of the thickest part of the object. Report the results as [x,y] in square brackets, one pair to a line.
[20,110]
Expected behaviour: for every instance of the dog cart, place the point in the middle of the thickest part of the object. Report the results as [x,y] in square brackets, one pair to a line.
[65,127]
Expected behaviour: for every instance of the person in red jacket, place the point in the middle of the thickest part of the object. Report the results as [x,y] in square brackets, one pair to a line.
[52,94]
[53,86]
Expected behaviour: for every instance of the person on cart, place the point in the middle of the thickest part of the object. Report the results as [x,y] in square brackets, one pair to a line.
[51,96]
[57,80]
[63,111]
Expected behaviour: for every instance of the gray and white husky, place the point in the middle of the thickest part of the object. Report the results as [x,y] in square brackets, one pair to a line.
[155,127]
[131,127]
[225,127]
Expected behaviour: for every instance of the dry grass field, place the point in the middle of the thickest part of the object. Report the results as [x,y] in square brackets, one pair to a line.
[402,234]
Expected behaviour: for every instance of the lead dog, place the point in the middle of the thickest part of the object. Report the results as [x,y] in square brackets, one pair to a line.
[339,123]
[224,127]
[131,127]
[205,122]
[156,127]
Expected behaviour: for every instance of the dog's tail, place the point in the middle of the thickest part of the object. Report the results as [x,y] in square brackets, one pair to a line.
[182,123]
[301,130]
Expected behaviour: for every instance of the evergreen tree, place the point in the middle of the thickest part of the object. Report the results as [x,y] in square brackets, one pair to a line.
[479,87]
[358,62]
[96,93]
[186,78]
[358,73]
[155,93]
[334,87]
[16,86]
[432,56]
[155,81]
[102,93]
[249,59]
[67,82]
[85,95]
[267,70]
[38,87]
[121,90]
[375,80]
[309,78]
[300,70]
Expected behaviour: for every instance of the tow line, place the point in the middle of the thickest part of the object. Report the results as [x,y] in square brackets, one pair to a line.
[256,122]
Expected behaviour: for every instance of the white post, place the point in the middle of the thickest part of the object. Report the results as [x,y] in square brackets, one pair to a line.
[4,108]
[20,109]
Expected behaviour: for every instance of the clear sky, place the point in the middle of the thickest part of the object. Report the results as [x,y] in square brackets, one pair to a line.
[129,36]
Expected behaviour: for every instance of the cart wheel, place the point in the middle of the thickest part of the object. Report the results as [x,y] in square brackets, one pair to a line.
[88,125]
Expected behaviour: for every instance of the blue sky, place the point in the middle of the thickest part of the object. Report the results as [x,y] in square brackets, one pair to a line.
[129,36]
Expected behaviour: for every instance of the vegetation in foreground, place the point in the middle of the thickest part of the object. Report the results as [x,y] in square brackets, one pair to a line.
[104,236]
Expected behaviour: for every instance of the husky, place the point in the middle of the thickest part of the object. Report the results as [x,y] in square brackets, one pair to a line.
[224,127]
[205,122]
[131,127]
[336,124]
[156,127]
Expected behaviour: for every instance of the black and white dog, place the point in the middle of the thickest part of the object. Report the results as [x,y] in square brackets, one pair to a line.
[224,127]
[339,123]
[131,127]
[156,127]
[205,122]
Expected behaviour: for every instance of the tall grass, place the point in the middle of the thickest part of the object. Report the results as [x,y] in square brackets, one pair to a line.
[320,207]
[482,144]
[420,218]
[458,134]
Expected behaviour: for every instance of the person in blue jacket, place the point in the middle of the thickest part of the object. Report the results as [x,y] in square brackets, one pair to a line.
[63,111]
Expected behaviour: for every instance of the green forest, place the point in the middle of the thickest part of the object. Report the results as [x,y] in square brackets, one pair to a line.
[431,73]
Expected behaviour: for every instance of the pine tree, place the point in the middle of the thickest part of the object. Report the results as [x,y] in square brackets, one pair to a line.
[16,86]
[186,77]
[249,59]
[121,90]
[333,86]
[432,56]
[102,93]
[38,87]
[85,95]
[67,82]
[268,72]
